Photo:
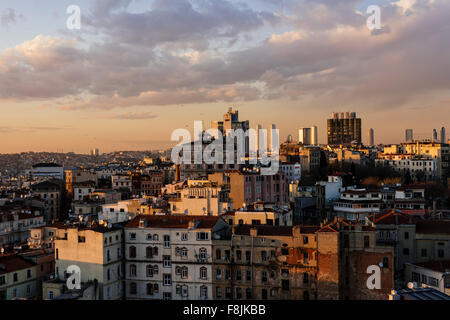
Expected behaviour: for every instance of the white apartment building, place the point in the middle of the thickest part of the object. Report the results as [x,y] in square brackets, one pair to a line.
[292,171]
[427,167]
[121,211]
[120,181]
[357,204]
[82,189]
[200,197]
[15,226]
[97,251]
[170,257]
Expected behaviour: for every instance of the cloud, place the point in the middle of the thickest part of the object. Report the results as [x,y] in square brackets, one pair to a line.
[132,116]
[9,16]
[318,52]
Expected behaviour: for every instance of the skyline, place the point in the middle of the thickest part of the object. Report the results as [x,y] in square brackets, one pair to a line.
[113,87]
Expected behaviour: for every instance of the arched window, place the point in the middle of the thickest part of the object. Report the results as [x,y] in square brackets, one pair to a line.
[203,292]
[149,252]
[203,273]
[149,271]
[184,272]
[184,252]
[132,252]
[178,270]
[149,237]
[133,270]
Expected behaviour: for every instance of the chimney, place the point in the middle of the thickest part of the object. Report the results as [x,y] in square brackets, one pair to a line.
[191,224]
[253,232]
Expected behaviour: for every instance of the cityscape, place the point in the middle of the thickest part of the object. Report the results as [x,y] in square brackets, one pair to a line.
[193,151]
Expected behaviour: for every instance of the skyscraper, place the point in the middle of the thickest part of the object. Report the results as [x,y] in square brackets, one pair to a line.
[409,135]
[443,135]
[314,137]
[371,137]
[304,136]
[435,136]
[344,128]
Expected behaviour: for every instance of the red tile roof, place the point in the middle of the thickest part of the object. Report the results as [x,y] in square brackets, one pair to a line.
[435,265]
[13,262]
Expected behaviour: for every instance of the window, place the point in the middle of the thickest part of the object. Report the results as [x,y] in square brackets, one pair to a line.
[155,288]
[149,237]
[118,253]
[264,276]
[166,261]
[406,251]
[133,288]
[218,274]
[305,240]
[238,293]
[432,281]
[305,277]
[218,254]
[366,241]
[203,273]
[2,280]
[228,293]
[149,289]
[184,236]
[202,235]
[346,241]
[284,251]
[167,296]
[248,275]
[108,274]
[149,252]
[238,275]
[285,285]
[248,293]
[132,236]
[385,262]
[227,274]
[15,277]
[28,274]
[184,272]
[440,253]
[167,279]
[238,255]
[202,254]
[415,276]
[263,255]
[149,271]
[218,293]
[184,252]
[50,295]
[248,256]
[424,279]
[132,270]
[406,235]
[155,269]
[423,252]
[132,252]
[203,292]
[184,291]
[155,237]
[166,241]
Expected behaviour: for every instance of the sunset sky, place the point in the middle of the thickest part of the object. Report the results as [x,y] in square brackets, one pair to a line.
[139,69]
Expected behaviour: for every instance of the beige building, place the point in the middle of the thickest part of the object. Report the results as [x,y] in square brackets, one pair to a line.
[170,257]
[97,251]
[17,278]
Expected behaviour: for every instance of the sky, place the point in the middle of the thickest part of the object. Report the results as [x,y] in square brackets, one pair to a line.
[136,70]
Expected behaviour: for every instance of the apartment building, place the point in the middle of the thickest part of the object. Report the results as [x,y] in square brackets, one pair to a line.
[357,204]
[15,225]
[17,278]
[121,181]
[170,257]
[50,192]
[200,197]
[97,250]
